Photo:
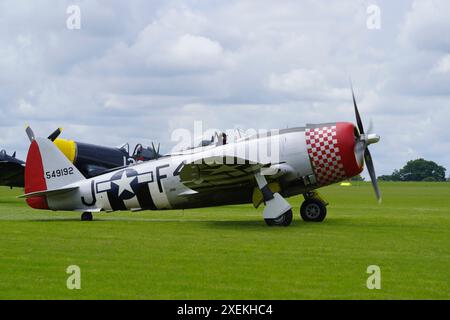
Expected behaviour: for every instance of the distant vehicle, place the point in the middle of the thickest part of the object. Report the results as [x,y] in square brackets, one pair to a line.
[310,157]
[91,160]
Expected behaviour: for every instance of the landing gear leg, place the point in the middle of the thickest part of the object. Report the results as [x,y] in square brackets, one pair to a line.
[314,208]
[278,212]
[86,216]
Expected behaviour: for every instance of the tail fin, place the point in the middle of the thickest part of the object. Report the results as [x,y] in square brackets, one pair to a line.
[47,169]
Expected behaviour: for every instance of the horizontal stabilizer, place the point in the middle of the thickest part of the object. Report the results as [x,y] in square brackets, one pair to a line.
[53,192]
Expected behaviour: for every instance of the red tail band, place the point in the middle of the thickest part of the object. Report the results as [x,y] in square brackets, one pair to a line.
[34,177]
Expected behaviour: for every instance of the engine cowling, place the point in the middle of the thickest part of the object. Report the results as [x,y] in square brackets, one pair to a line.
[92,160]
[331,149]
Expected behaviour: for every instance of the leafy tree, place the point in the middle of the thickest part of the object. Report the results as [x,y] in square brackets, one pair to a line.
[385,178]
[418,170]
[396,176]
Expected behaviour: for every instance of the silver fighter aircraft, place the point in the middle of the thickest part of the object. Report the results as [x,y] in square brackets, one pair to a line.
[307,158]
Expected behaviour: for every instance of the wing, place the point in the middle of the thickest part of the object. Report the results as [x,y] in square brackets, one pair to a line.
[213,172]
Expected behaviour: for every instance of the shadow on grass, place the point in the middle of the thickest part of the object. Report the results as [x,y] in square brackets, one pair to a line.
[257,224]
[214,223]
[55,220]
[221,224]
[249,225]
[11,202]
[335,223]
[234,224]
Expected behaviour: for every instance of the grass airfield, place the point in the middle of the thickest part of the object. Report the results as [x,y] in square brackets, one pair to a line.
[229,253]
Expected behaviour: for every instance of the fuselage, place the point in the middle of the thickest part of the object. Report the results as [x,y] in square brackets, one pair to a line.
[307,158]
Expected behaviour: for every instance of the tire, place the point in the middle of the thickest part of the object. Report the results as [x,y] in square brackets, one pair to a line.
[313,210]
[282,221]
[86,216]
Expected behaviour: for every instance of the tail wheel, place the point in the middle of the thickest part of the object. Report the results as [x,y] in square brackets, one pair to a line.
[313,210]
[86,216]
[284,220]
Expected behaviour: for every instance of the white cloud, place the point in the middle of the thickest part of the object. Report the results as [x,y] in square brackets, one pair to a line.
[426,25]
[25,108]
[137,70]
[443,65]
[304,83]
[196,52]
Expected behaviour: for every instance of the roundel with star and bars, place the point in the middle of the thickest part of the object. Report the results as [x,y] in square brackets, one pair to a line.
[127,184]
[124,184]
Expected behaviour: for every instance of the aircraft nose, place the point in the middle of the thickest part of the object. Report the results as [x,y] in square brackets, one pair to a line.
[331,150]
[346,140]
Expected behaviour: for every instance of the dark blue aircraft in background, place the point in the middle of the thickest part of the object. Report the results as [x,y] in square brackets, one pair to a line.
[91,160]
[11,170]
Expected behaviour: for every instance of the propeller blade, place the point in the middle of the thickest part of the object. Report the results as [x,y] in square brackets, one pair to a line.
[55,134]
[30,133]
[373,177]
[358,116]
[362,152]
[370,128]
[360,147]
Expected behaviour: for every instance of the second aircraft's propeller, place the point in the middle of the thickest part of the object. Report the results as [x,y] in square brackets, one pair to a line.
[55,134]
[30,133]
[362,151]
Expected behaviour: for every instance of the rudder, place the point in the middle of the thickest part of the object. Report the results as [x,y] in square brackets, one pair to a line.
[47,169]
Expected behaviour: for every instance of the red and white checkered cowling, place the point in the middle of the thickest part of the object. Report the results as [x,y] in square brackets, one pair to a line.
[331,150]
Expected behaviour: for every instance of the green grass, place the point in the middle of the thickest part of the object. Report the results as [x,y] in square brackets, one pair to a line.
[229,252]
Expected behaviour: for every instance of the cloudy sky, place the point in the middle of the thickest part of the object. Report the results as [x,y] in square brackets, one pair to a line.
[137,70]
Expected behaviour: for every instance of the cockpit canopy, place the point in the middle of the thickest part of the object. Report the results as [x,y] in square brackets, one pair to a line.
[142,153]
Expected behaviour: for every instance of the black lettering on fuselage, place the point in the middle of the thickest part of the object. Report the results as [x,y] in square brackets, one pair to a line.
[94,200]
[178,169]
[160,176]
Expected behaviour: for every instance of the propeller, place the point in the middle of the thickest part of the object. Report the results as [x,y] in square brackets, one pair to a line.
[30,133]
[55,134]
[361,148]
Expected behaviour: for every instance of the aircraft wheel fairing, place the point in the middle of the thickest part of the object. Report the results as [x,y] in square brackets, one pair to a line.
[86,216]
[313,210]
[284,220]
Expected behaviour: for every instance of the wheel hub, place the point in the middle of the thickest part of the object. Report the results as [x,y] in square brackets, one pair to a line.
[312,210]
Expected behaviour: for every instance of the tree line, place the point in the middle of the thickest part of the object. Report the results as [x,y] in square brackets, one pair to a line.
[417,170]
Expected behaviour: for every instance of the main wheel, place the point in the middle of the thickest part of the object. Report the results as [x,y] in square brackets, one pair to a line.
[86,216]
[313,210]
[284,220]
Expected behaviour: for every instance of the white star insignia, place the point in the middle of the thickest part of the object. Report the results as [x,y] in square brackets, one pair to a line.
[124,183]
